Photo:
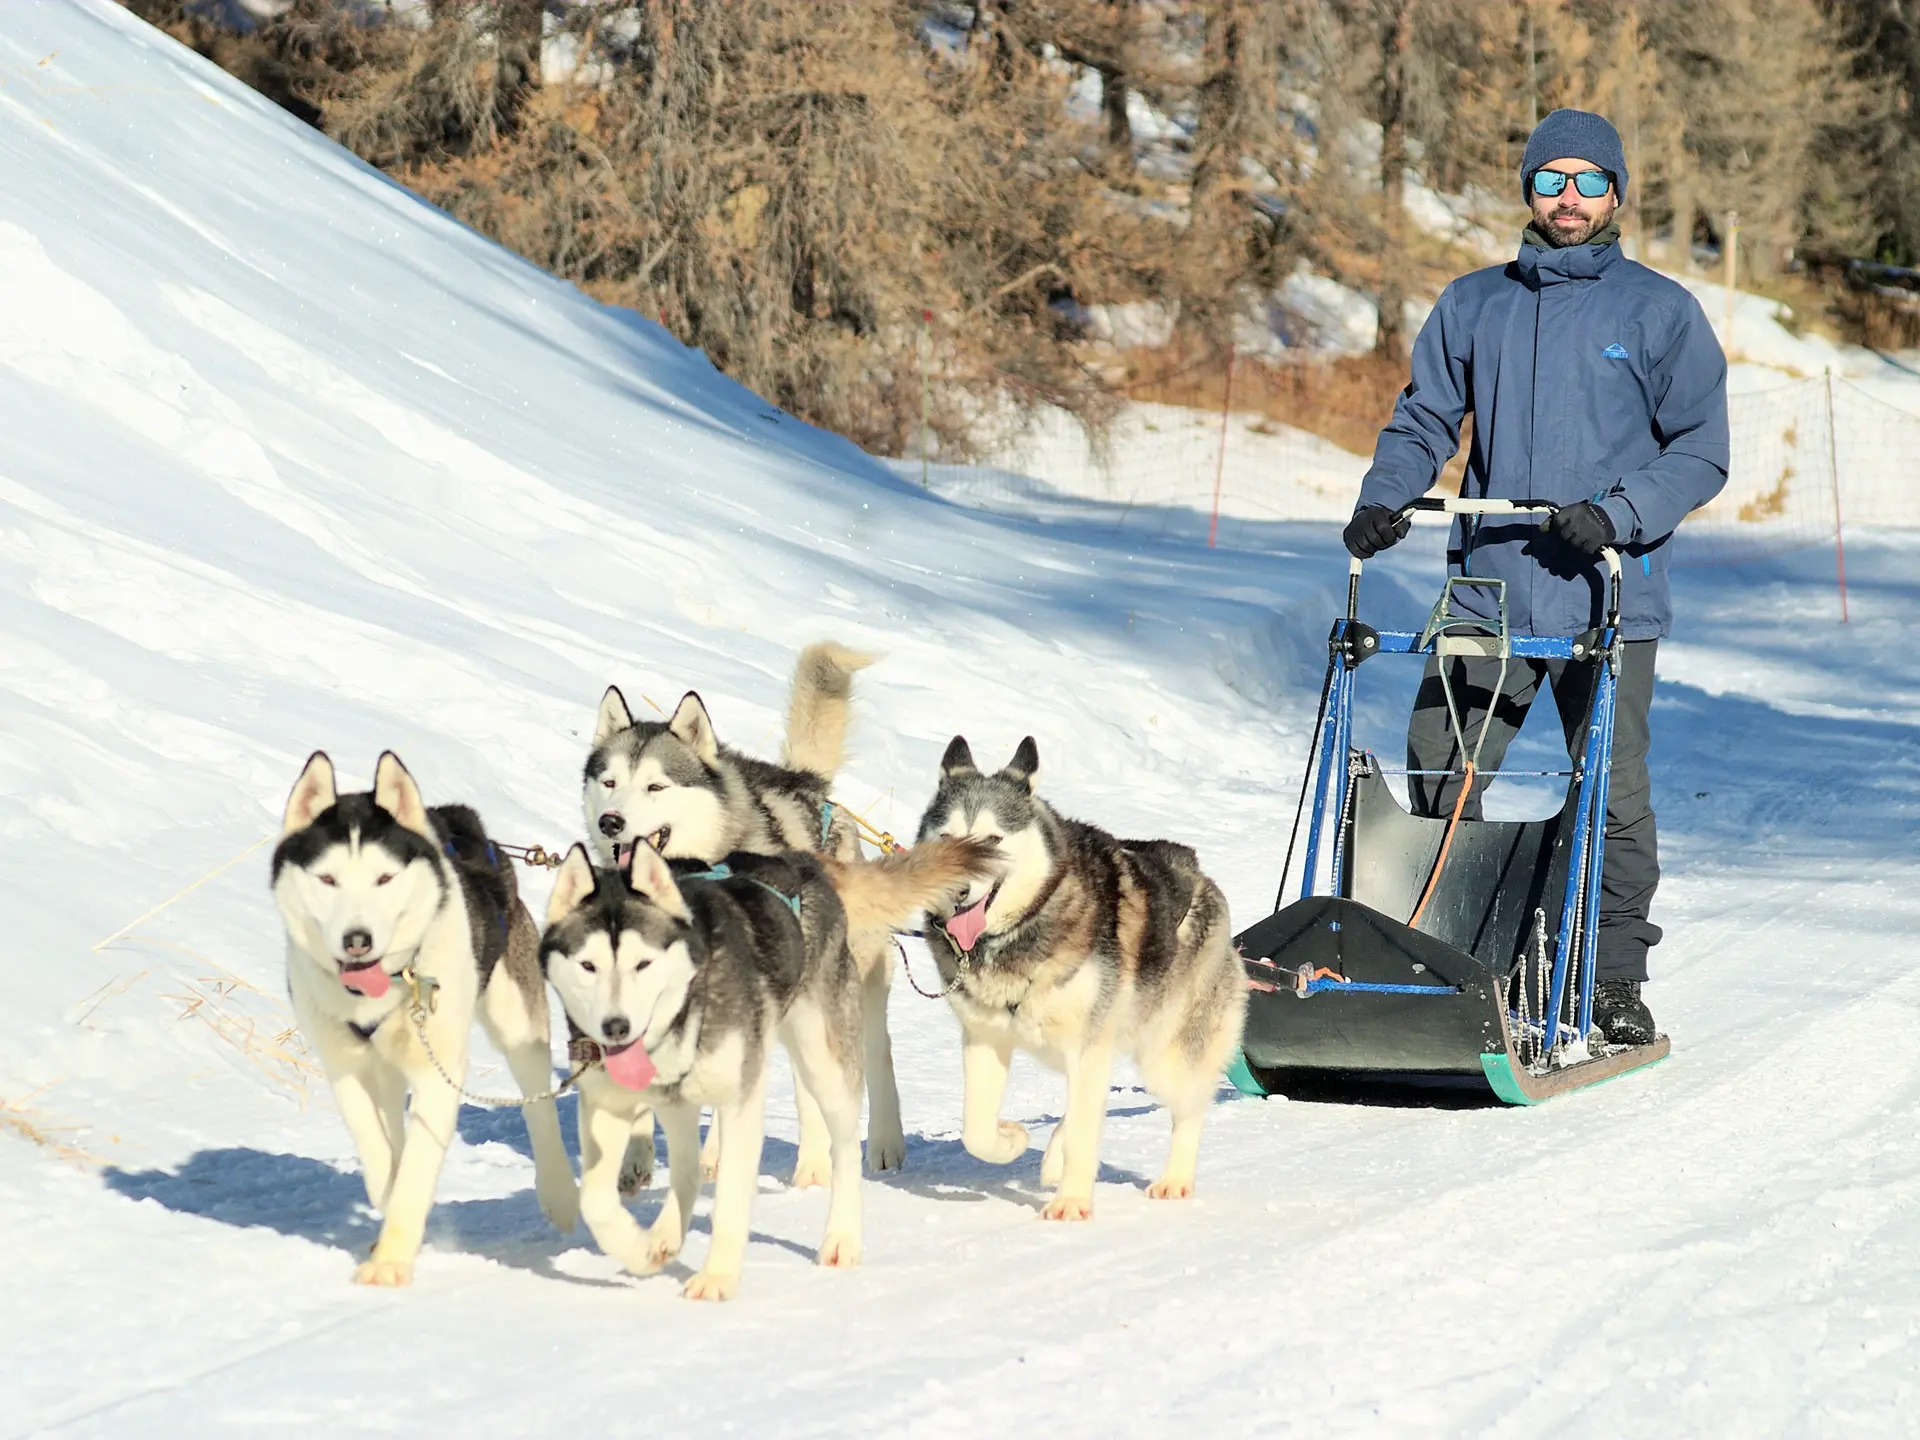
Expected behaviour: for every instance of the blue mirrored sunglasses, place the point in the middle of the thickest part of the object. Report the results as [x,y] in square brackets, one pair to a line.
[1590,183]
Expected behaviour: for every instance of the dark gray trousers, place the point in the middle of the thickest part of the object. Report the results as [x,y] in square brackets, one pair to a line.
[1630,868]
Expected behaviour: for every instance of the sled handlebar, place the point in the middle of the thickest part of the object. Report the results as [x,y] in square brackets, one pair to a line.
[1461,505]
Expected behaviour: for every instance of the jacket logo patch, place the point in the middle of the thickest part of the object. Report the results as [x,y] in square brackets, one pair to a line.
[1616,351]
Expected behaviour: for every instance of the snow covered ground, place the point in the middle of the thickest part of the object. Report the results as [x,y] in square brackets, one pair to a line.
[290,459]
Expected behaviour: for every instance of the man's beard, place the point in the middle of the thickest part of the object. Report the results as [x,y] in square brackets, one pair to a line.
[1560,238]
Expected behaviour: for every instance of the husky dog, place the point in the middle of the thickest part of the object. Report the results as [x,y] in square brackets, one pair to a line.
[1086,947]
[674,786]
[684,984]
[373,887]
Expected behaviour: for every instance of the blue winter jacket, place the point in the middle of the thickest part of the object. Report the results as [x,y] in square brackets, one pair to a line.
[1590,377]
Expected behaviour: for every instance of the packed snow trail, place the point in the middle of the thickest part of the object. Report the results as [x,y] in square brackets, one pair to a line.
[290,459]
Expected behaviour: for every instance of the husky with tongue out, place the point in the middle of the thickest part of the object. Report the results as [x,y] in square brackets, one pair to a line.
[684,983]
[371,886]
[1086,948]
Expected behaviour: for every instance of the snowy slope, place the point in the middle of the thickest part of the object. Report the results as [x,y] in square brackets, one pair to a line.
[288,459]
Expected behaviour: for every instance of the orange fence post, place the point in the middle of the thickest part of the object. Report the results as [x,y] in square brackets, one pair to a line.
[1833,463]
[1220,460]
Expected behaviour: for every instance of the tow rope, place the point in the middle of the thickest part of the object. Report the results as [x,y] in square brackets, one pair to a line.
[1446,844]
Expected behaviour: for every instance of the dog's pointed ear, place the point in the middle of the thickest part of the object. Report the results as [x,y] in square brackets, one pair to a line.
[312,792]
[572,885]
[395,793]
[651,877]
[959,758]
[1025,763]
[693,727]
[614,716]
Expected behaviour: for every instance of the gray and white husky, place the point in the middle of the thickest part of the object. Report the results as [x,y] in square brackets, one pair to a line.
[684,983]
[373,888]
[673,785]
[1086,947]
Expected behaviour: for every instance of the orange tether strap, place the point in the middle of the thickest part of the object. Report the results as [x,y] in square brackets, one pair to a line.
[1446,844]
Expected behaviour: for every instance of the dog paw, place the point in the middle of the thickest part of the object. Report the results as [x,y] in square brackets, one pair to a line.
[1009,1143]
[1068,1207]
[648,1253]
[636,1174]
[1170,1188]
[661,1249]
[812,1170]
[561,1205]
[706,1285]
[389,1274]
[886,1152]
[839,1252]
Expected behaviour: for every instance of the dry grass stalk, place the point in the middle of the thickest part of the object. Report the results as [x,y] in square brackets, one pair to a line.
[273,1047]
[17,1117]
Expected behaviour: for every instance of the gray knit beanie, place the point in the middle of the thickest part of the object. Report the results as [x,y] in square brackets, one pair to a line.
[1575,135]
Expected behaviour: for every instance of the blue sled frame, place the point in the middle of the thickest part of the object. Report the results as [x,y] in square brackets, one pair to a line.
[1471,992]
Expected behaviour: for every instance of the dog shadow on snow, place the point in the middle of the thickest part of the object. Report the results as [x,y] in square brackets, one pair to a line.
[939,1169]
[309,1199]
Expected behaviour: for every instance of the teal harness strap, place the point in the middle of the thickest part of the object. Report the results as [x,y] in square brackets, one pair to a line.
[725,872]
[826,822]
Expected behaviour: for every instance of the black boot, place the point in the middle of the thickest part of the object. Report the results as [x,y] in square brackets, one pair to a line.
[1620,1016]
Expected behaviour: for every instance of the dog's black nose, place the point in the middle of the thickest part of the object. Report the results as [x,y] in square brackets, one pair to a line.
[357,943]
[616,1029]
[612,823]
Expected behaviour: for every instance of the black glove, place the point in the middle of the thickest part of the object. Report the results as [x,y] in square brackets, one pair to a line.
[1584,526]
[1373,530]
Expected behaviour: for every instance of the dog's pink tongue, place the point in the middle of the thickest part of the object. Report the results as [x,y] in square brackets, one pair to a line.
[368,980]
[630,1067]
[964,927]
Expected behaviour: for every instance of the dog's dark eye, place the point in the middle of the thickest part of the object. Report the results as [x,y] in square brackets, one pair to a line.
[608,783]
[641,966]
[384,879]
[589,967]
[993,839]
[328,880]
[656,787]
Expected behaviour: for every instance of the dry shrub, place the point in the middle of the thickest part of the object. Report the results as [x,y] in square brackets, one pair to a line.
[791,188]
[1884,322]
[1345,400]
[838,213]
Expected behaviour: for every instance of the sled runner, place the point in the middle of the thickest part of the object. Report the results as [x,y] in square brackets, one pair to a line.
[1439,948]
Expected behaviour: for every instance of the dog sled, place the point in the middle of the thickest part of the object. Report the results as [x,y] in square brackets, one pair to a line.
[1442,950]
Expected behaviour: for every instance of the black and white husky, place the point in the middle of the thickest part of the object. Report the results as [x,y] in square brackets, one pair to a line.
[674,786]
[374,888]
[684,984]
[1086,947]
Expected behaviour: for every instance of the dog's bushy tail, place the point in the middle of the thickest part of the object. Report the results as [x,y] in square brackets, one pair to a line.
[817,714]
[885,894]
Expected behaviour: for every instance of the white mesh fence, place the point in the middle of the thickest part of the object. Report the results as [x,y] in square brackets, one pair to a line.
[1812,460]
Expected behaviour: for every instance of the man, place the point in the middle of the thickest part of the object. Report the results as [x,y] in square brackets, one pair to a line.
[1598,385]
